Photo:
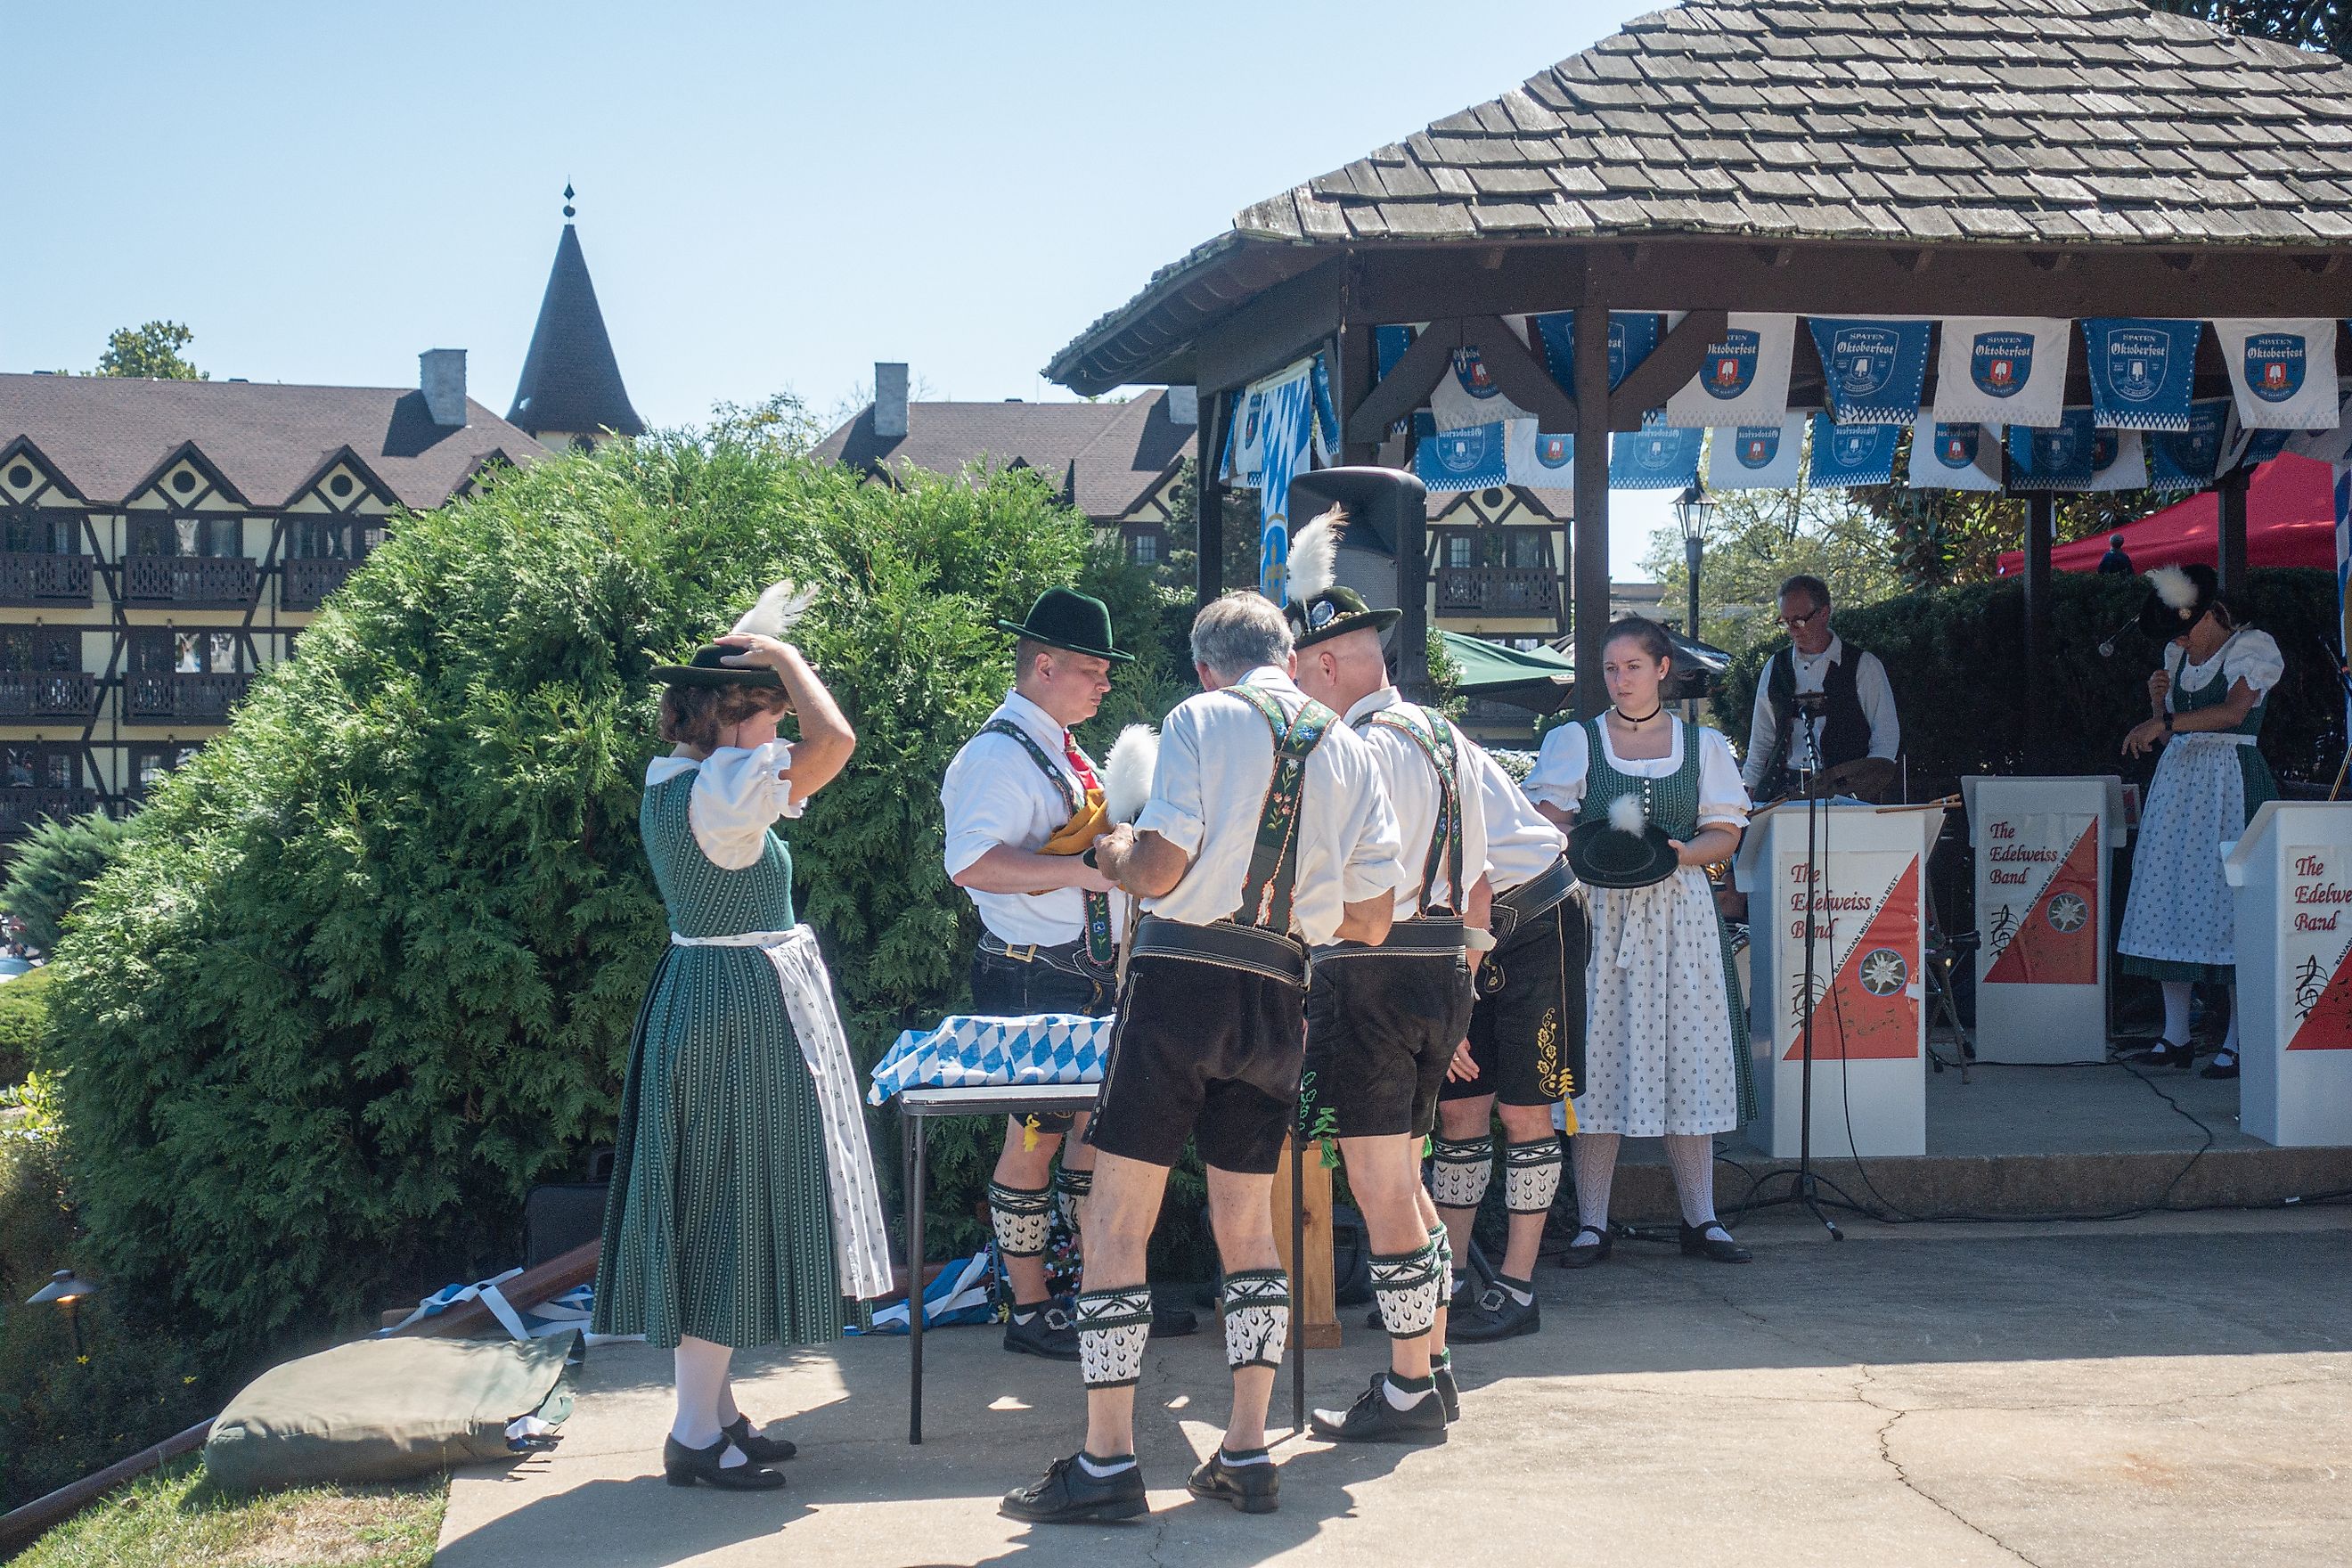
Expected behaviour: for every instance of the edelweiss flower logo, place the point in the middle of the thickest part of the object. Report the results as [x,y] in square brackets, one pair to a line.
[1884,972]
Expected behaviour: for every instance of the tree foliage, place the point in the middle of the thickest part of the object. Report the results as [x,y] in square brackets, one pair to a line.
[57,860]
[2306,23]
[1757,538]
[368,971]
[150,351]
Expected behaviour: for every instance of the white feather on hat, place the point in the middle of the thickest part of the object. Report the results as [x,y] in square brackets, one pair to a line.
[1626,816]
[1127,772]
[1315,556]
[2175,587]
[779,610]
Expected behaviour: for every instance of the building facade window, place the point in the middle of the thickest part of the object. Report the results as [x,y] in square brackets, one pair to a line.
[166,651]
[319,539]
[39,530]
[1461,551]
[39,650]
[150,763]
[38,765]
[220,537]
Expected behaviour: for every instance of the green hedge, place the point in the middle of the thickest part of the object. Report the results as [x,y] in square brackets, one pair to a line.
[23,1024]
[1954,657]
[367,971]
[57,861]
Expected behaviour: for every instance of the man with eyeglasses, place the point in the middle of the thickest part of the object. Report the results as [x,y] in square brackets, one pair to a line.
[1855,717]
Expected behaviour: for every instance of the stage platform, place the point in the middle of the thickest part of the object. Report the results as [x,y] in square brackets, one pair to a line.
[2021,1141]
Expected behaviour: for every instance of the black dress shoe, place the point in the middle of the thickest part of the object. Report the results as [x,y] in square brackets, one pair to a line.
[1697,1243]
[1252,1488]
[1373,1419]
[1576,1256]
[1498,1315]
[758,1449]
[682,1466]
[2223,1066]
[1048,1332]
[1449,1393]
[1066,1494]
[2165,1054]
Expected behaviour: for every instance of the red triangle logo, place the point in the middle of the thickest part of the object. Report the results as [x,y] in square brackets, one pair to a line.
[1869,1014]
[2058,942]
[2328,1025]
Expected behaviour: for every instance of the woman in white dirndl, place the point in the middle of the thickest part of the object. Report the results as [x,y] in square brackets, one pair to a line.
[1663,1040]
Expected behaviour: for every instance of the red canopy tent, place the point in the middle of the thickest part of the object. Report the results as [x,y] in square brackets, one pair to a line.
[2290,522]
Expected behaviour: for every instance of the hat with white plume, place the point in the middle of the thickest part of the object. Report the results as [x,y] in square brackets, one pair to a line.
[778,610]
[1319,609]
[2177,598]
[1128,770]
[1621,847]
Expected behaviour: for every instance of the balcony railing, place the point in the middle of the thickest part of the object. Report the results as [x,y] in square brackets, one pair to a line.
[174,698]
[70,694]
[1497,591]
[308,580]
[193,580]
[21,810]
[30,578]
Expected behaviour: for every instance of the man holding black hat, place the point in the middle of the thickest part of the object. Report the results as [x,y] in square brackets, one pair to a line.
[1023,804]
[1267,831]
[1382,1022]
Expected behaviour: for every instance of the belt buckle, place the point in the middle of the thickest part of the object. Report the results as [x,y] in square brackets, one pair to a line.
[1025,954]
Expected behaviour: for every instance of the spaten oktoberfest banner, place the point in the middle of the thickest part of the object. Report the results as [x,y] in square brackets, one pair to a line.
[1745,378]
[2189,459]
[1632,335]
[2058,459]
[2283,369]
[1873,370]
[1756,457]
[1466,396]
[2118,460]
[2143,371]
[1474,457]
[1955,457]
[1853,453]
[1655,457]
[1538,458]
[2002,371]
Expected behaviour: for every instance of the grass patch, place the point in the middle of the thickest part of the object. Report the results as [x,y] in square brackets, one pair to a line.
[174,1517]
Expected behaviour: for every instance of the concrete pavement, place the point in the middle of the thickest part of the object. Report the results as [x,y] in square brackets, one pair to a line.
[2172,1391]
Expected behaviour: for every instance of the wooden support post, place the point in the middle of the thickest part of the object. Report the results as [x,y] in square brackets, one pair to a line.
[1589,550]
[2232,561]
[1313,1315]
[2041,525]
[1208,500]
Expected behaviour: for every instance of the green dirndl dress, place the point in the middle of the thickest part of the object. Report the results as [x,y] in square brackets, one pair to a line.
[718,1223]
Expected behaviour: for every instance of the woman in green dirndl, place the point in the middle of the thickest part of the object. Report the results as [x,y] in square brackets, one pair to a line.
[2180,921]
[743,1205]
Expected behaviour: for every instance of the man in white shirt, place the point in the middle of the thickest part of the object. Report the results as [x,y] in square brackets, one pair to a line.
[1023,804]
[1526,1052]
[1382,1022]
[1268,832]
[1853,716]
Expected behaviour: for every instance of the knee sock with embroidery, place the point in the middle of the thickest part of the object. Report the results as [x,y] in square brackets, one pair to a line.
[1595,1156]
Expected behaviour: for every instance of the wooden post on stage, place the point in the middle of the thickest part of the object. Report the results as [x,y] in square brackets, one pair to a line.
[1313,1315]
[2230,534]
[1590,542]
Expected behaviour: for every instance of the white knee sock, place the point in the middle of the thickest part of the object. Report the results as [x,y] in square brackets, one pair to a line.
[1595,1158]
[2176,1012]
[2230,1042]
[1692,1158]
[702,1370]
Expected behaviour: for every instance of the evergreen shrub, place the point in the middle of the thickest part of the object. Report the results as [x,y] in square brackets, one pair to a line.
[367,971]
[57,860]
[23,1024]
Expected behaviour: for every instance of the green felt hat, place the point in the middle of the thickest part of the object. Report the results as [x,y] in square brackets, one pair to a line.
[706,670]
[1335,612]
[1604,856]
[1065,618]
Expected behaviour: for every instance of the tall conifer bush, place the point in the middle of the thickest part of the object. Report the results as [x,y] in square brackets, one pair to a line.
[369,968]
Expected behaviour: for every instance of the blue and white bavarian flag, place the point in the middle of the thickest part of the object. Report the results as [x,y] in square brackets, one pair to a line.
[2283,369]
[2143,371]
[2002,371]
[1756,457]
[1539,459]
[1853,453]
[2189,460]
[1955,457]
[2057,458]
[1633,336]
[1277,424]
[1873,370]
[977,1053]
[1655,457]
[1389,344]
[1474,458]
[1744,379]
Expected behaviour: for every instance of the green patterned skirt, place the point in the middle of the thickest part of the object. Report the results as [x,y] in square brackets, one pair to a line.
[718,1225]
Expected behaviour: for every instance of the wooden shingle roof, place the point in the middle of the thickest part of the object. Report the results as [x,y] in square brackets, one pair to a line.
[2041,122]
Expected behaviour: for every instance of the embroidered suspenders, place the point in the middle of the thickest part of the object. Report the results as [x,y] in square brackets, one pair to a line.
[1436,744]
[1265,891]
[1100,945]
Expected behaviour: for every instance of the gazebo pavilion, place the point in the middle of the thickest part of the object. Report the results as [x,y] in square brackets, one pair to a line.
[1852,158]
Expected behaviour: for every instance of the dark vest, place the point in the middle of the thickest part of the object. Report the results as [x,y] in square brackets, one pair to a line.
[1845,729]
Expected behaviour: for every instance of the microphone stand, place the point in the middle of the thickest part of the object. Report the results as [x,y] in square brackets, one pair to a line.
[1816,875]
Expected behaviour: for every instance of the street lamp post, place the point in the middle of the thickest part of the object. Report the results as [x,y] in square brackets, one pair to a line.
[1692,510]
[67,1291]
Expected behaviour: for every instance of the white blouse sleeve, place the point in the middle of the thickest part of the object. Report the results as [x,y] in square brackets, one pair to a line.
[1722,794]
[738,796]
[2254,659]
[1557,778]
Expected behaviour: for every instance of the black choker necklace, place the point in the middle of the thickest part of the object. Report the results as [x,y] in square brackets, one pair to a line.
[1626,717]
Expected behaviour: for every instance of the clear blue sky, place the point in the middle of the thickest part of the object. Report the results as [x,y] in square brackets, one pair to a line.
[771,196]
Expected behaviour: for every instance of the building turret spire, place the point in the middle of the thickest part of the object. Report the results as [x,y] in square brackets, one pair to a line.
[571,390]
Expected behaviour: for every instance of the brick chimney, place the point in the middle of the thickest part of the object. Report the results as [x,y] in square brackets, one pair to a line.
[889,402]
[1183,405]
[441,377]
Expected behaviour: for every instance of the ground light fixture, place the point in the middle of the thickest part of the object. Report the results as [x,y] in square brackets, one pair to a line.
[67,1291]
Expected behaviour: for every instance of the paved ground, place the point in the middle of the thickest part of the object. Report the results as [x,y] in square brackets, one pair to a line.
[2172,1392]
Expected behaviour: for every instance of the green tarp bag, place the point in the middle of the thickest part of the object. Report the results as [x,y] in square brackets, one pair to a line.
[384,1410]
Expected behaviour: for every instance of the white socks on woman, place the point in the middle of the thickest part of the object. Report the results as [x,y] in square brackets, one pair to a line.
[705,1402]
[1692,1155]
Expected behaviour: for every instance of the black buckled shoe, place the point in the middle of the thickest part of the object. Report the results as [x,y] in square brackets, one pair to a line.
[1497,1315]
[682,1466]
[1048,1332]
[759,1450]
[1697,1243]
[1066,1494]
[1575,1256]
[2165,1054]
[1252,1488]
[2223,1066]
[1373,1419]
[1449,1393]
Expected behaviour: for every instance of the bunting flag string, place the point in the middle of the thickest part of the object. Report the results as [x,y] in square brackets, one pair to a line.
[1473,457]
[1655,457]
[1954,457]
[2283,369]
[1745,380]
[2189,459]
[1873,370]
[2143,371]
[2057,458]
[2002,371]
[1756,457]
[1466,394]
[1632,337]
[1538,458]
[2118,460]
[1853,453]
